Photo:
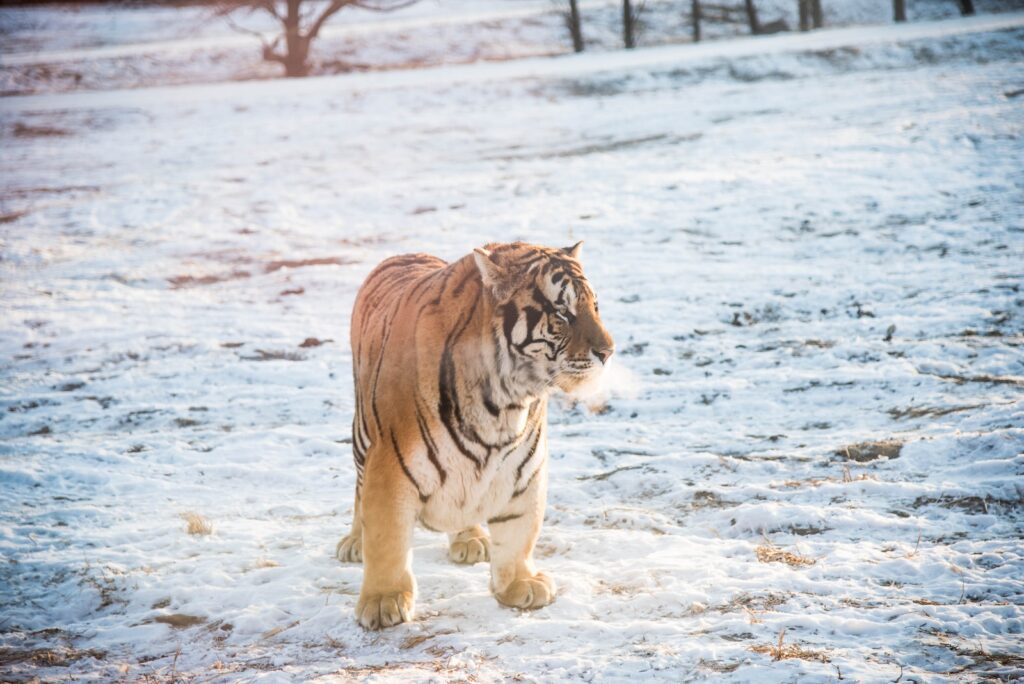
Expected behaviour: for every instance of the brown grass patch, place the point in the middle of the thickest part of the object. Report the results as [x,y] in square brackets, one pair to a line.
[929,411]
[273,632]
[864,452]
[783,651]
[23,130]
[274,355]
[46,657]
[183,281]
[278,264]
[769,553]
[179,620]
[197,524]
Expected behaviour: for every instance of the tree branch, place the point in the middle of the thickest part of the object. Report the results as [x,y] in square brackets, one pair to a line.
[331,10]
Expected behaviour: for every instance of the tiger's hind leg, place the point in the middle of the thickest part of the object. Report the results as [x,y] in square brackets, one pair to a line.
[471,545]
[350,548]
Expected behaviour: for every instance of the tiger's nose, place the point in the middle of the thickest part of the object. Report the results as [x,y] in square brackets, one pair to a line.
[604,353]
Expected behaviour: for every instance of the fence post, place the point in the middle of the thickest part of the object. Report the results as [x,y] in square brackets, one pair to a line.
[966,7]
[695,17]
[817,17]
[805,15]
[899,10]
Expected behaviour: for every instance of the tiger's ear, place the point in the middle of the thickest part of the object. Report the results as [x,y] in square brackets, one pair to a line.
[575,250]
[494,276]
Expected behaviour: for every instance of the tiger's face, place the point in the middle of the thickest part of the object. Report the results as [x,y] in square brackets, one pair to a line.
[546,314]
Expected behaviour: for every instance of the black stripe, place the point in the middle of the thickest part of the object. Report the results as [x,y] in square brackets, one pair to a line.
[447,400]
[504,518]
[519,492]
[376,375]
[489,404]
[429,443]
[401,462]
[510,316]
[533,450]
[545,303]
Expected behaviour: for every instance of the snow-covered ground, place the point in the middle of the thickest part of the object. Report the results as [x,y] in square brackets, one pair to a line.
[802,244]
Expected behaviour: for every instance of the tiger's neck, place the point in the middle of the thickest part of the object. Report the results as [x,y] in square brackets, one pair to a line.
[501,397]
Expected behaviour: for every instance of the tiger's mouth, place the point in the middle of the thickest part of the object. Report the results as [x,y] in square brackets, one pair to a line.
[578,379]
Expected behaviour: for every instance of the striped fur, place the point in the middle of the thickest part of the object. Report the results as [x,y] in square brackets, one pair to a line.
[453,364]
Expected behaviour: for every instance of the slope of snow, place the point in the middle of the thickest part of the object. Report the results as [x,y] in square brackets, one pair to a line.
[792,266]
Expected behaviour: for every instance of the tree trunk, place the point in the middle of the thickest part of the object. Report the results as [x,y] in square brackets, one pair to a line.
[817,17]
[695,18]
[805,15]
[628,29]
[899,10]
[575,27]
[755,26]
[966,7]
[296,44]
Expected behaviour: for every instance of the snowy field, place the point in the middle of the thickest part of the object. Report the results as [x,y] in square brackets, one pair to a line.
[806,466]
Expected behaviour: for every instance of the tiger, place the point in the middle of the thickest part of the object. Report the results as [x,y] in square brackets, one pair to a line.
[453,364]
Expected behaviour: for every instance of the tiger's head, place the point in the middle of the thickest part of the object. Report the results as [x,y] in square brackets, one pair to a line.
[545,315]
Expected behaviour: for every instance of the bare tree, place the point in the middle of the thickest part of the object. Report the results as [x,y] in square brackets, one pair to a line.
[630,20]
[300,21]
[755,25]
[575,25]
[899,10]
[817,16]
[695,19]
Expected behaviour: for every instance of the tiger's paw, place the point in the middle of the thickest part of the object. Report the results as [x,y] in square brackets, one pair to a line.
[528,593]
[379,611]
[470,546]
[350,549]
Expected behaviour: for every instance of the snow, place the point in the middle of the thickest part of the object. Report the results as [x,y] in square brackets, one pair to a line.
[757,216]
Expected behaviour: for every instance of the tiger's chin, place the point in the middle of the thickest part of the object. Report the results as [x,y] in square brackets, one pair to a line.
[580,384]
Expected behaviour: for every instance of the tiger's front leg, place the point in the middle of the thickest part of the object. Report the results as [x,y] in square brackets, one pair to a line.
[389,510]
[515,582]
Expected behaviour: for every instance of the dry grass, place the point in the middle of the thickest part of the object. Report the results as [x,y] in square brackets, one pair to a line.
[782,651]
[47,657]
[769,553]
[197,524]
